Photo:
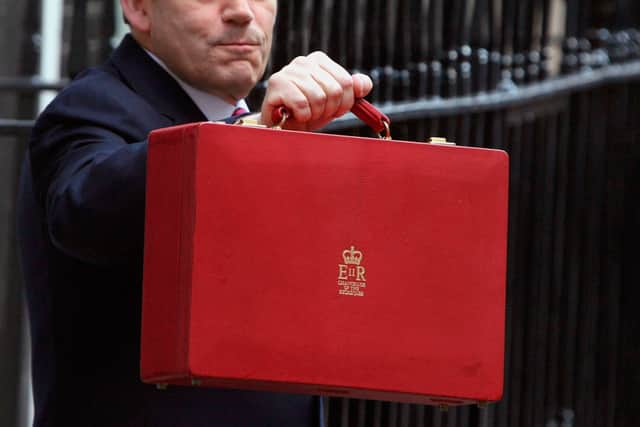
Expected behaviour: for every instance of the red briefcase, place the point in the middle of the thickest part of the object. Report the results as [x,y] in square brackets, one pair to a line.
[314,263]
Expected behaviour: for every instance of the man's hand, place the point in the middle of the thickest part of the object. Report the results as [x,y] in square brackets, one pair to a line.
[315,90]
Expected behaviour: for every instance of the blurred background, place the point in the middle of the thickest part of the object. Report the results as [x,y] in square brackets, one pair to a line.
[556,83]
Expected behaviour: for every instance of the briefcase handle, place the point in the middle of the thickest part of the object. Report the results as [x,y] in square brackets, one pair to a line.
[362,109]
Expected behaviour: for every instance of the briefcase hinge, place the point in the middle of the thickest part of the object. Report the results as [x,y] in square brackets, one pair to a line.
[440,141]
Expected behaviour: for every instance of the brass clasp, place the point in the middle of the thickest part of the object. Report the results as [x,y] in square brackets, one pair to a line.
[250,122]
[436,140]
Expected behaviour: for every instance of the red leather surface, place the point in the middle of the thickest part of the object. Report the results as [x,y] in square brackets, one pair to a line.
[245,235]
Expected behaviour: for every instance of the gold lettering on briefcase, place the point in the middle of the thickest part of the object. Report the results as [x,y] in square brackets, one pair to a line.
[351,274]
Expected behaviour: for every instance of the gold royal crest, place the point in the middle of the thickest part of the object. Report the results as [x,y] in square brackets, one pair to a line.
[351,274]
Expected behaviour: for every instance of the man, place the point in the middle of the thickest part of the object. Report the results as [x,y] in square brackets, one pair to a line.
[81,205]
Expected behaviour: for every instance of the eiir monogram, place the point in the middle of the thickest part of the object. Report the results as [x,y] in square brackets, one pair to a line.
[351,274]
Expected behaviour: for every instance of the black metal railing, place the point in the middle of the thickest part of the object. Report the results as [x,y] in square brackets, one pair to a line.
[561,96]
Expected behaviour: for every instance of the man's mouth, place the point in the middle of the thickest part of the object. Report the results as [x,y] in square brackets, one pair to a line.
[239,48]
[239,43]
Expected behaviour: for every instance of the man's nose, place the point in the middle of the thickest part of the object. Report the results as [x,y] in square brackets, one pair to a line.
[237,11]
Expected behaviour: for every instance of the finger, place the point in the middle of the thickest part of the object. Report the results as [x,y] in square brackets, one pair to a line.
[344,96]
[281,91]
[318,85]
[362,85]
[315,94]
[346,103]
[332,89]
[341,76]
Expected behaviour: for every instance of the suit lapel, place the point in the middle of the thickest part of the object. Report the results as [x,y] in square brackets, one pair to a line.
[153,83]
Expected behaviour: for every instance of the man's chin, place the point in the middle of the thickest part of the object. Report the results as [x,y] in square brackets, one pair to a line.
[239,81]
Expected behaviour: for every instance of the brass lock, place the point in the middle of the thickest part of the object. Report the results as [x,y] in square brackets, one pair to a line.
[436,140]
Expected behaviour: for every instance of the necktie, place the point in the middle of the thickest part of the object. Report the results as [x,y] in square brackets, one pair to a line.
[239,111]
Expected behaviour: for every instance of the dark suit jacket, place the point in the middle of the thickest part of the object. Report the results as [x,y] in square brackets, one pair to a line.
[80,228]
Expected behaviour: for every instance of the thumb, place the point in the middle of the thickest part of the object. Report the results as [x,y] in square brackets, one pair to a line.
[362,85]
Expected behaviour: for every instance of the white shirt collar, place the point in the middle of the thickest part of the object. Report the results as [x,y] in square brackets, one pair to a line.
[213,107]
